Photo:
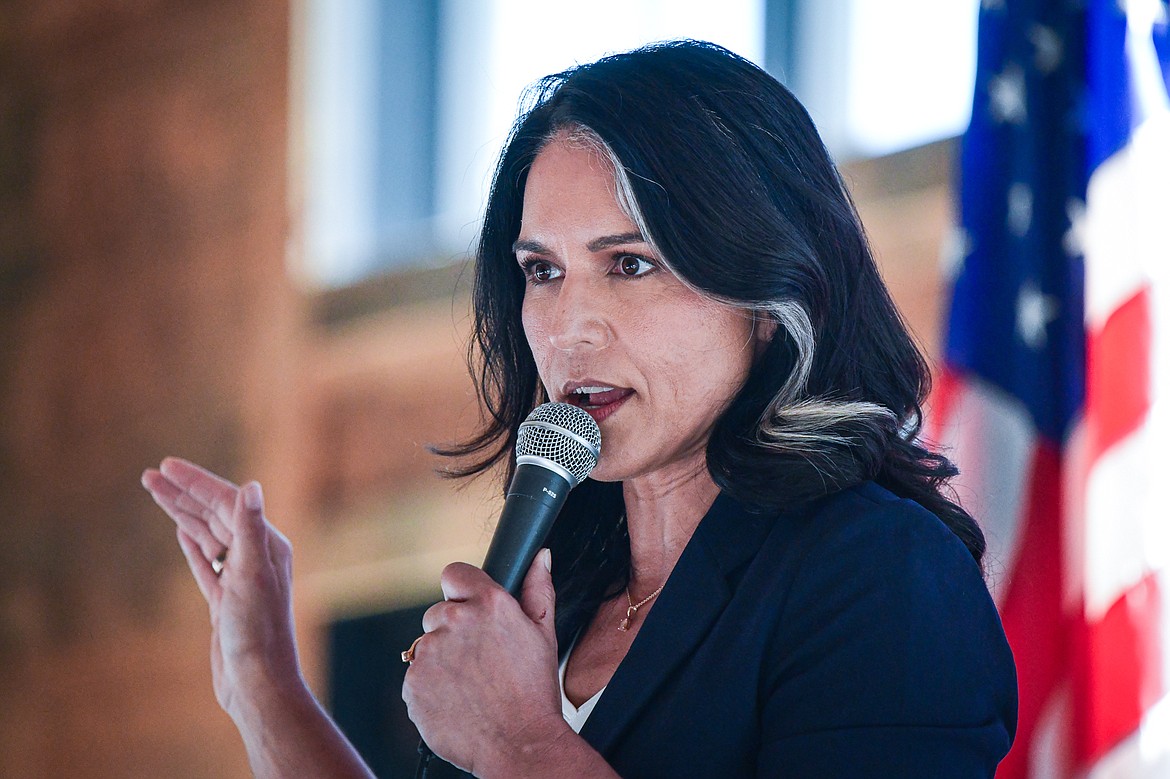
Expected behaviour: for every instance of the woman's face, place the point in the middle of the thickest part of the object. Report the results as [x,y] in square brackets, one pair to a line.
[614,332]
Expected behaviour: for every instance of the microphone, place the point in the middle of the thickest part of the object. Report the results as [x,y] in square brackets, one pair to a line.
[556,448]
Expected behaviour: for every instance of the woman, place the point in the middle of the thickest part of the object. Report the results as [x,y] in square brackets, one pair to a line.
[762,577]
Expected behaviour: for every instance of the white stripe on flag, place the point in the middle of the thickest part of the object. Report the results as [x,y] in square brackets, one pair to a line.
[1126,534]
[1125,223]
[995,468]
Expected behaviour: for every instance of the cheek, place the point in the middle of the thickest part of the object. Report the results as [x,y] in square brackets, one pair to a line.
[535,333]
[714,354]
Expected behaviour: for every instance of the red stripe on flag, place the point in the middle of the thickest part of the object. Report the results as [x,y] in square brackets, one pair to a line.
[1032,607]
[942,398]
[1117,375]
[1118,670]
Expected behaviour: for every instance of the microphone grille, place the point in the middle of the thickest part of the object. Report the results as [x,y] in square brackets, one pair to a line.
[562,434]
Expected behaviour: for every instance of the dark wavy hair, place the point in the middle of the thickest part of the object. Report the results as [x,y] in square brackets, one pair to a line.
[723,171]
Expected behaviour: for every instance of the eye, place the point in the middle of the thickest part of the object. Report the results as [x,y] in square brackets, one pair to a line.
[539,271]
[632,265]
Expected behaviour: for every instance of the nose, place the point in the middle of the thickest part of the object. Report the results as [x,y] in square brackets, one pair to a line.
[579,320]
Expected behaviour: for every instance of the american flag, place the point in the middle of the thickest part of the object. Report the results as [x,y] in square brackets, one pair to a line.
[1048,400]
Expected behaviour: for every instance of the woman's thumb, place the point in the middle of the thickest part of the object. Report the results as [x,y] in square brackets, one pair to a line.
[248,526]
[537,596]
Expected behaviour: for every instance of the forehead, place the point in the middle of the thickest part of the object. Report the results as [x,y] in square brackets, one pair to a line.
[571,183]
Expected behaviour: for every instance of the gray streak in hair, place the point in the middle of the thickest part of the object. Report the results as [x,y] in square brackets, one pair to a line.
[579,136]
[796,422]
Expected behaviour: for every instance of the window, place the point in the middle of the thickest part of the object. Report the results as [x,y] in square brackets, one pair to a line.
[880,76]
[406,104]
[370,96]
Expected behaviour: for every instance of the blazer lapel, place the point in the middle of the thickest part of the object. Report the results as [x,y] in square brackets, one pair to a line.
[694,596]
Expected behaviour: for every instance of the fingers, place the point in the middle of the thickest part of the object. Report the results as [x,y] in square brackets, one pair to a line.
[203,485]
[462,584]
[537,596]
[205,493]
[213,515]
[438,615]
[193,519]
[184,489]
[461,581]
[280,551]
[200,568]
[250,549]
[465,585]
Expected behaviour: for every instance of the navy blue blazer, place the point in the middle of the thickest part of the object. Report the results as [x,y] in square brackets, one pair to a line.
[850,637]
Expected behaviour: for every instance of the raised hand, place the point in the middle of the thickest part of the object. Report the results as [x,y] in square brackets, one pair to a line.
[243,567]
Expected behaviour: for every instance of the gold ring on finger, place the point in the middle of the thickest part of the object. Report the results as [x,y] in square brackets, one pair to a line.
[408,655]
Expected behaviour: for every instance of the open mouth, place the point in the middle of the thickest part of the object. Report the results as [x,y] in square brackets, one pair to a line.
[598,401]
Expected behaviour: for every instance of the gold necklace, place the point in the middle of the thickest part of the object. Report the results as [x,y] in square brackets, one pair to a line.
[632,611]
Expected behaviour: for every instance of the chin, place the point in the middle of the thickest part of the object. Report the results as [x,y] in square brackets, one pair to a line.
[613,469]
[600,473]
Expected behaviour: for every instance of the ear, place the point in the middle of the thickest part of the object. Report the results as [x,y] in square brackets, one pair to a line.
[764,329]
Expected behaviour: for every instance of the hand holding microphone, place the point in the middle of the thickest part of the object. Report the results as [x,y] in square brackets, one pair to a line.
[481,650]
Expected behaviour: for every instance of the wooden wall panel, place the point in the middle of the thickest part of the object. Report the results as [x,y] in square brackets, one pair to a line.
[146,310]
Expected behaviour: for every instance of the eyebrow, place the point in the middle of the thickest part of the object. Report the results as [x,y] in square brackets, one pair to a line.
[596,245]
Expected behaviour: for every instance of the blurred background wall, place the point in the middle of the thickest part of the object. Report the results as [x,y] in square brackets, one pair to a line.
[237,232]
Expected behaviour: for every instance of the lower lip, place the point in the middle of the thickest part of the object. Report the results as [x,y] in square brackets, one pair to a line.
[602,412]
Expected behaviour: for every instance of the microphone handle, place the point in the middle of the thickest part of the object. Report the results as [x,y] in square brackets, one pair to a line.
[533,500]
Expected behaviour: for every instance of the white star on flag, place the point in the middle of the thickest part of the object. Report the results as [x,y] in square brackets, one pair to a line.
[1034,310]
[1008,95]
[957,246]
[1019,214]
[1049,48]
[1073,241]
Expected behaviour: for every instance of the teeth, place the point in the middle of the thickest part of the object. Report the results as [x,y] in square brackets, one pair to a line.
[591,390]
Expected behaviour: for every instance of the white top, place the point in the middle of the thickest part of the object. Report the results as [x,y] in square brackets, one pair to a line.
[575,716]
